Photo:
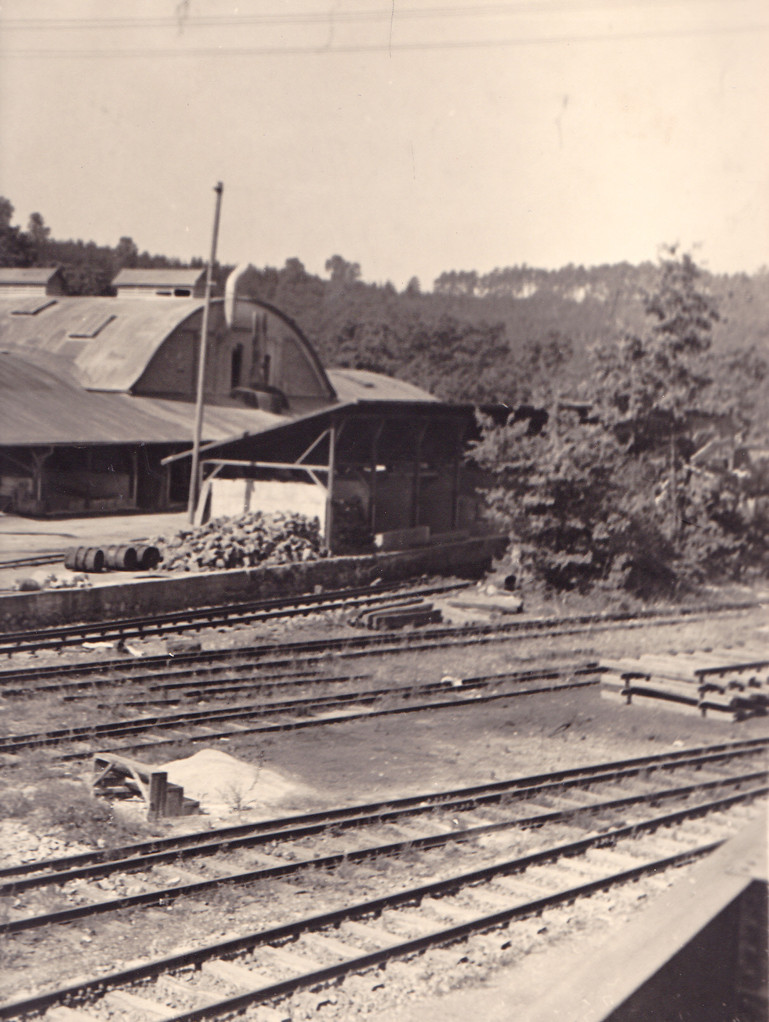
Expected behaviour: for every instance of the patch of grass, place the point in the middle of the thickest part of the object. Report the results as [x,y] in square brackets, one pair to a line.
[15,805]
[67,808]
[71,810]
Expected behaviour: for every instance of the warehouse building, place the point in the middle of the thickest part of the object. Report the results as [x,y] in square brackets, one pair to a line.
[97,410]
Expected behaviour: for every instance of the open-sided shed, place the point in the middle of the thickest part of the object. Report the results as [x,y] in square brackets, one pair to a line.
[97,412]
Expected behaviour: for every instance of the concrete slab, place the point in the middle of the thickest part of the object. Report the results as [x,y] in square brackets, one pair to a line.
[35,537]
[20,537]
[121,594]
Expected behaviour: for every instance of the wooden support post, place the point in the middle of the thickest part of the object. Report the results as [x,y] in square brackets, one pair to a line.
[460,435]
[372,491]
[415,484]
[165,483]
[134,495]
[39,459]
[156,801]
[332,434]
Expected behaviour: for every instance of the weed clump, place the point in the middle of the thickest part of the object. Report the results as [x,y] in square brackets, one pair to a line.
[66,808]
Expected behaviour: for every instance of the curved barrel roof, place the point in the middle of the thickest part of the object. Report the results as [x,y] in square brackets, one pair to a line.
[68,366]
[109,341]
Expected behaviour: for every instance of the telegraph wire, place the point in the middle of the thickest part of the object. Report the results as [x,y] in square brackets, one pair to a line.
[385,47]
[322,17]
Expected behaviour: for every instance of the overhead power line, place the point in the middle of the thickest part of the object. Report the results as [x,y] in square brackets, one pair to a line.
[385,14]
[382,47]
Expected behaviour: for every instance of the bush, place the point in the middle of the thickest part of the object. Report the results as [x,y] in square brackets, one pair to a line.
[576,503]
[616,499]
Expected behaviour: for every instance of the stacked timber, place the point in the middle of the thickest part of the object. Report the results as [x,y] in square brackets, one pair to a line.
[719,682]
[399,614]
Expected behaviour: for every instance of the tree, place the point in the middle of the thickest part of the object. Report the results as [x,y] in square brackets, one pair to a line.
[570,497]
[87,277]
[341,271]
[648,386]
[39,234]
[6,213]
[15,249]
[126,253]
[605,500]
[456,283]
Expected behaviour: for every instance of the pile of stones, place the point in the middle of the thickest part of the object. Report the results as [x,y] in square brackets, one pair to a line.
[250,539]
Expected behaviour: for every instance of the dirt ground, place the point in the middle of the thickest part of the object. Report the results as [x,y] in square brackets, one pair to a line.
[33,537]
[365,760]
[370,759]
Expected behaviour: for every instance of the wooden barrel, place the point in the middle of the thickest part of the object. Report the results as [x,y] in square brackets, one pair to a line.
[93,559]
[70,557]
[74,559]
[123,558]
[148,557]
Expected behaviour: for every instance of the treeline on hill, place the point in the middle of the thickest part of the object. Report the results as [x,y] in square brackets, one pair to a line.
[641,368]
[87,268]
[515,335]
[658,479]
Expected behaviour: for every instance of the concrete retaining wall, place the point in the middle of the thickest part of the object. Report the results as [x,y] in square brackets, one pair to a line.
[137,597]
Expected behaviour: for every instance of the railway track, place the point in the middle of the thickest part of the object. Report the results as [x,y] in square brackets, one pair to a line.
[193,619]
[195,725]
[37,640]
[486,858]
[300,654]
[103,862]
[33,560]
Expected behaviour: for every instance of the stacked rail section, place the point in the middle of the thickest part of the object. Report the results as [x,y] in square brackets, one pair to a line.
[719,682]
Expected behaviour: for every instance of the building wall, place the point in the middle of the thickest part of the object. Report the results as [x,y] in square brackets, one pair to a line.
[233,497]
[396,507]
[17,489]
[436,500]
[173,369]
[469,558]
[268,355]
[95,478]
[394,492]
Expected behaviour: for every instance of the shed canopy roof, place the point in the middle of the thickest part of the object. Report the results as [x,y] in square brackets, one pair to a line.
[27,274]
[363,385]
[166,277]
[37,406]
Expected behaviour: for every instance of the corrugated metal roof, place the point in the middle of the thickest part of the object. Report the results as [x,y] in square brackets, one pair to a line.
[124,334]
[39,407]
[32,306]
[363,385]
[27,274]
[376,404]
[166,277]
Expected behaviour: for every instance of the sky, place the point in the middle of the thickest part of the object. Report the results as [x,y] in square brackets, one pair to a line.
[413,138]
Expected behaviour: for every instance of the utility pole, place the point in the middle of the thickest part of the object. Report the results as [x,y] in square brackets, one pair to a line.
[194,468]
